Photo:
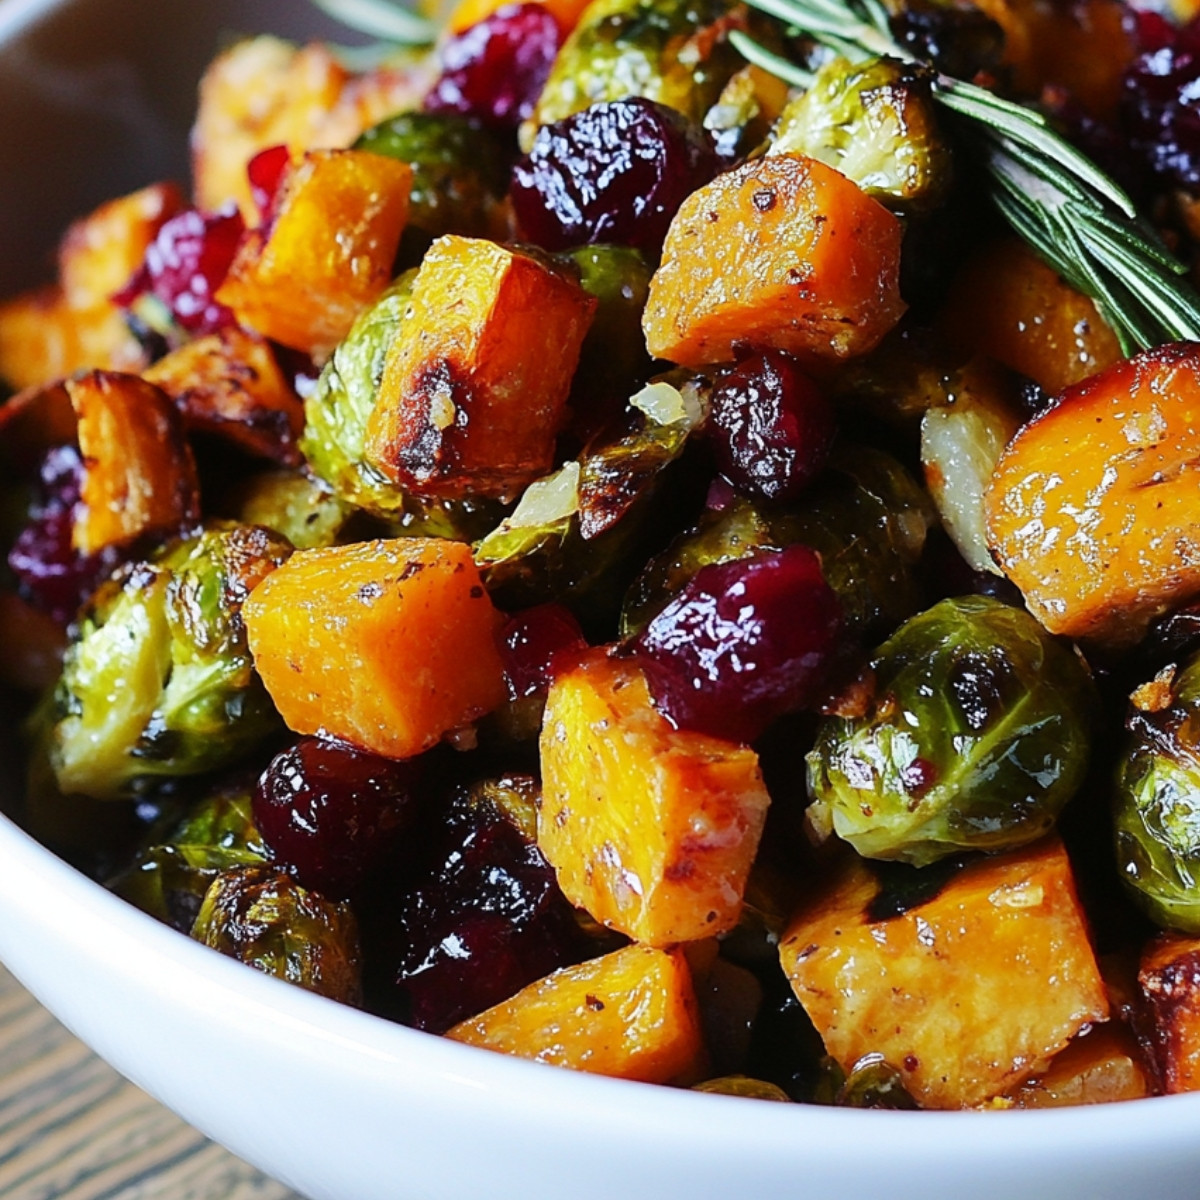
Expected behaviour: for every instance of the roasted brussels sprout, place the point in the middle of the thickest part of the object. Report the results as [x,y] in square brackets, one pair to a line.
[459,173]
[744,1085]
[295,505]
[262,917]
[977,736]
[874,121]
[1157,817]
[672,51]
[158,681]
[874,1083]
[336,417]
[868,523]
[169,877]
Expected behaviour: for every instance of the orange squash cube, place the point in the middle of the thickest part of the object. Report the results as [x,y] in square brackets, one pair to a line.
[1093,511]
[650,828]
[631,1014]
[965,994]
[782,251]
[138,472]
[327,253]
[1169,980]
[1008,304]
[1098,1067]
[389,645]
[229,384]
[476,383]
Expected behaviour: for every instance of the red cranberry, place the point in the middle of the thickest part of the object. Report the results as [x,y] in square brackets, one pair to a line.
[770,425]
[615,172]
[184,266]
[496,70]
[532,642]
[51,574]
[743,643]
[330,813]
[265,172]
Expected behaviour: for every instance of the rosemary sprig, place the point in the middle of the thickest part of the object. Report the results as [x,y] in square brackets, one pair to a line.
[1068,210]
[388,20]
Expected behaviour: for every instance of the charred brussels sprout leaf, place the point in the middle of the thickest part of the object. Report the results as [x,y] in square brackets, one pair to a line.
[977,736]
[671,51]
[459,171]
[262,917]
[867,521]
[336,416]
[874,121]
[158,681]
[1157,819]
[169,877]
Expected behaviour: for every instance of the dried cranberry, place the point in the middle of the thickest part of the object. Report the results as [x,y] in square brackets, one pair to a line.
[51,574]
[485,919]
[184,266]
[265,172]
[743,643]
[495,70]
[331,813]
[615,172]
[532,642]
[770,425]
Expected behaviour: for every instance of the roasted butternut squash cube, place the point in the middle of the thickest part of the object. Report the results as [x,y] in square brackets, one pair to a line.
[1093,511]
[389,645]
[782,251]
[327,252]
[229,384]
[965,994]
[476,383]
[138,472]
[1101,1065]
[631,1014]
[1008,304]
[1169,980]
[652,829]
[39,339]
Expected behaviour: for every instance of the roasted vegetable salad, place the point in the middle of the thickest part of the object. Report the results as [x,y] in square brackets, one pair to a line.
[652,537]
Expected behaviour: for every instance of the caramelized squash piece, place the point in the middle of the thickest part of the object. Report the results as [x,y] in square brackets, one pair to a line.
[475,386]
[964,994]
[1169,980]
[782,251]
[229,384]
[389,645]
[650,828]
[1008,304]
[54,331]
[327,252]
[1093,511]
[631,1014]
[139,476]
[1098,1067]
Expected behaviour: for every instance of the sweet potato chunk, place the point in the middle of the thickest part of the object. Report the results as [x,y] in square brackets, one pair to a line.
[1169,980]
[964,994]
[326,254]
[782,251]
[1008,304]
[138,475]
[1093,511]
[631,1014]
[388,644]
[650,828]
[475,385]
[228,383]
[1099,1066]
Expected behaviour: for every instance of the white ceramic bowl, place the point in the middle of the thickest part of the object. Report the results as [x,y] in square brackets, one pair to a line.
[95,98]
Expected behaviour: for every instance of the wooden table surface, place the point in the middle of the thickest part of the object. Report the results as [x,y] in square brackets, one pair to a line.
[71,1128]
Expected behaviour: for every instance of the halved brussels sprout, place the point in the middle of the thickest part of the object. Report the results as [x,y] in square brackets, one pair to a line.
[336,416]
[977,736]
[295,505]
[1157,812]
[876,122]
[158,681]
[262,917]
